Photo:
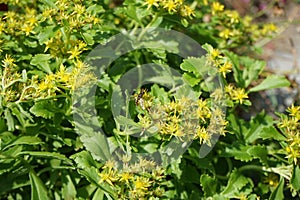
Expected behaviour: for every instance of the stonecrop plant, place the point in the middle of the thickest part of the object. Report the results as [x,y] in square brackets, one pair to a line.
[69,129]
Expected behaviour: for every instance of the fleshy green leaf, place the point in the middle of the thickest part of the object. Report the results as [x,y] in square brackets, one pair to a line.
[42,62]
[235,184]
[46,155]
[273,81]
[38,189]
[97,144]
[9,120]
[239,153]
[68,187]
[295,181]
[42,109]
[88,38]
[277,194]
[28,140]
[245,69]
[209,185]
[84,159]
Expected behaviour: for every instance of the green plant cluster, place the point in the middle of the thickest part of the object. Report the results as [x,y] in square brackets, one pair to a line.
[43,46]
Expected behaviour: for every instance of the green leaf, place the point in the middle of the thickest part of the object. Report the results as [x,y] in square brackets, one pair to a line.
[28,140]
[209,185]
[45,154]
[88,38]
[38,189]
[260,152]
[196,66]
[295,180]
[84,160]
[46,33]
[191,79]
[99,195]
[42,62]
[9,120]
[42,109]
[97,144]
[273,81]
[245,69]
[271,133]
[68,187]
[91,174]
[239,152]
[256,127]
[235,184]
[131,11]
[277,194]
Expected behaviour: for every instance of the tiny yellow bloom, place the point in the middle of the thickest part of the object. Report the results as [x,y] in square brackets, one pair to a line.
[125,177]
[108,176]
[239,95]
[27,28]
[151,3]
[226,33]
[8,61]
[225,68]
[294,111]
[170,5]
[187,11]
[203,135]
[75,52]
[217,7]
[233,16]
[142,183]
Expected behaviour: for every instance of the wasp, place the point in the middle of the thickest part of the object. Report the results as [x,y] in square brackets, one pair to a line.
[139,101]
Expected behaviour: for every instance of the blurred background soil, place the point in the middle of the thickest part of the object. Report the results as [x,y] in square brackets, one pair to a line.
[282,52]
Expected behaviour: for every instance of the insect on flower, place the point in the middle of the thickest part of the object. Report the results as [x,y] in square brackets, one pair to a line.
[139,101]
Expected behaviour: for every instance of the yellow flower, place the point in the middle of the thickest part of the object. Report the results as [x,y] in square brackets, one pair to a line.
[226,33]
[203,111]
[214,54]
[294,111]
[79,9]
[217,7]
[2,27]
[151,3]
[239,95]
[292,154]
[27,28]
[8,61]
[225,68]
[233,16]
[75,52]
[187,11]
[170,5]
[203,135]
[142,183]
[108,176]
[125,177]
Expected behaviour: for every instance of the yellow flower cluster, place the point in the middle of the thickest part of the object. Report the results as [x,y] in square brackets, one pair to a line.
[291,128]
[236,94]
[172,6]
[73,12]
[185,119]
[17,87]
[11,80]
[18,24]
[234,29]
[137,181]
[222,63]
[65,80]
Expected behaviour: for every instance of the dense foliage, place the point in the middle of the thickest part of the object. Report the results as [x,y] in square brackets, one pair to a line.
[71,131]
